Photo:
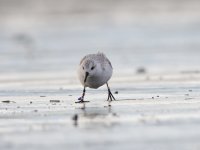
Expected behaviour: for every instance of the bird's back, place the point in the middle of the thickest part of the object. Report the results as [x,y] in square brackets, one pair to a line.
[99,58]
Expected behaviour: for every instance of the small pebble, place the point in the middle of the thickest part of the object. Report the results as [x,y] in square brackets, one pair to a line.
[54,101]
[6,101]
[141,70]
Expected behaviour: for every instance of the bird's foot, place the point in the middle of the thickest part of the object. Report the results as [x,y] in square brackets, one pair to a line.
[81,100]
[110,96]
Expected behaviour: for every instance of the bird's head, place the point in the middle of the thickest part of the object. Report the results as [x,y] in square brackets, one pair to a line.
[88,68]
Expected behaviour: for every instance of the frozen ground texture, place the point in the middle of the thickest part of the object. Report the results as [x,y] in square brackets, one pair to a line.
[154,47]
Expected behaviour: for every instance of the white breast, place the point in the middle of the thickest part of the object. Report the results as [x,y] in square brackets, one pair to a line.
[100,78]
[103,70]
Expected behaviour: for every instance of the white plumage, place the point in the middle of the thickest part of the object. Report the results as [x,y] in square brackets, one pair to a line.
[94,71]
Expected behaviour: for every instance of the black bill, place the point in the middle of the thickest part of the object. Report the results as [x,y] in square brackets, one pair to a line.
[86,75]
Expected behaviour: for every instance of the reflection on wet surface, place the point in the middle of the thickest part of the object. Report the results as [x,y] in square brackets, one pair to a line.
[66,123]
[154,50]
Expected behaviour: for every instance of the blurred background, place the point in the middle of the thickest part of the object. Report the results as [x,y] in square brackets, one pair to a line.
[48,35]
[154,47]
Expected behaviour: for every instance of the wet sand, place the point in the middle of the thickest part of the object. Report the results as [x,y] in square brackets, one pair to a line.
[149,113]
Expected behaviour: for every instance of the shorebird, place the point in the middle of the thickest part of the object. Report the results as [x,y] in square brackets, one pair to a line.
[94,71]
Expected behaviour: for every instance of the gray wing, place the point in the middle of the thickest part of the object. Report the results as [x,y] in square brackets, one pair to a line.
[98,57]
[109,62]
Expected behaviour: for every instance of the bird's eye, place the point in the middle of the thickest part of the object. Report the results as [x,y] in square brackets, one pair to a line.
[83,68]
[92,68]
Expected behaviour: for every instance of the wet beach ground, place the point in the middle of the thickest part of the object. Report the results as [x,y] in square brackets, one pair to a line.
[152,113]
[154,50]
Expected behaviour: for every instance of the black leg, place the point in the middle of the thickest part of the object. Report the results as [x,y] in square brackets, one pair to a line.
[110,95]
[81,99]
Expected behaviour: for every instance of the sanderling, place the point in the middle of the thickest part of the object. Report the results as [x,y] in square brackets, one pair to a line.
[94,71]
